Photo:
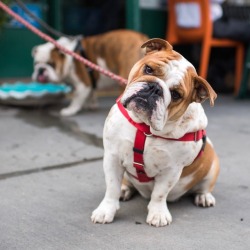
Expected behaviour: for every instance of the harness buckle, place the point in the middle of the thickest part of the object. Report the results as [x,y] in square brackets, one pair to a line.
[148,135]
[139,151]
[137,163]
[195,136]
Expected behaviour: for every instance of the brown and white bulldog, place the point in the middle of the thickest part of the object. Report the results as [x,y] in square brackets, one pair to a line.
[116,51]
[154,137]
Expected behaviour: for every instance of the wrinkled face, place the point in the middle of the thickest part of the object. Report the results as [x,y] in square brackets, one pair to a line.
[51,65]
[162,85]
[48,64]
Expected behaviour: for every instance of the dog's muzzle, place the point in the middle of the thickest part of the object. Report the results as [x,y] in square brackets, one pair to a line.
[146,98]
[41,71]
[41,75]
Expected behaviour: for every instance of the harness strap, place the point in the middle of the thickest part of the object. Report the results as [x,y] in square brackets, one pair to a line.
[192,136]
[79,48]
[143,131]
[138,163]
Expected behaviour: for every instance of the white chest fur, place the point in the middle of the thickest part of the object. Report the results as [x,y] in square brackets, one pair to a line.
[159,154]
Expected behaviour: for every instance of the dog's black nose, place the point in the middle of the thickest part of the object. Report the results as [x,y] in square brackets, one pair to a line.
[152,89]
[40,71]
[146,97]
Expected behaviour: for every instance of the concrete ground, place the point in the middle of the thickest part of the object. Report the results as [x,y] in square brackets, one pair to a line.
[51,179]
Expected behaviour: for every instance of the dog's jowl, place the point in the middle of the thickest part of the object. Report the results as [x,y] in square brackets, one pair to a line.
[155,140]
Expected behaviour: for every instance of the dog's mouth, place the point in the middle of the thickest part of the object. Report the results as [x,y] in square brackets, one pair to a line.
[148,104]
[146,98]
[45,72]
[42,75]
[42,78]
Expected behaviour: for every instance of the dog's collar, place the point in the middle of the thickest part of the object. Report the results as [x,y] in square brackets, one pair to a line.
[143,131]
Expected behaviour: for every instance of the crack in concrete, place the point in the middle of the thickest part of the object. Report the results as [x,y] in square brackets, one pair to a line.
[47,168]
[42,119]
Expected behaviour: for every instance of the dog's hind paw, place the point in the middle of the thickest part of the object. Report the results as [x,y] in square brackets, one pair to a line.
[126,192]
[204,200]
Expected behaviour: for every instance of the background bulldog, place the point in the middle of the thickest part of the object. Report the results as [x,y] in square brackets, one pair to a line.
[116,51]
[164,95]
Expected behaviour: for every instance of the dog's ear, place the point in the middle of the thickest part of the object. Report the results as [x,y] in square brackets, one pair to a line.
[57,53]
[203,90]
[156,44]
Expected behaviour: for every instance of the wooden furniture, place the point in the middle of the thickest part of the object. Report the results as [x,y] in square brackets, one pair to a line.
[204,35]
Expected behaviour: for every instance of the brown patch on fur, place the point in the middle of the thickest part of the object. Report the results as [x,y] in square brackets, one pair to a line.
[178,108]
[120,49]
[193,88]
[202,90]
[57,58]
[157,61]
[127,183]
[200,167]
[216,173]
[156,44]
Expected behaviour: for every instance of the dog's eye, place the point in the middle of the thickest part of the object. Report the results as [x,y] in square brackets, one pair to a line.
[148,70]
[175,95]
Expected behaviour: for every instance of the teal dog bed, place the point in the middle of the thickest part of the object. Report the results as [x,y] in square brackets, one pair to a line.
[33,93]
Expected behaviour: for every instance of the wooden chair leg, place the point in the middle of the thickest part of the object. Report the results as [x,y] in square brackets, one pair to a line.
[238,68]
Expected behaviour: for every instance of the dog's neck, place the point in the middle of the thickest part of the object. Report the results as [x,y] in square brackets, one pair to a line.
[192,120]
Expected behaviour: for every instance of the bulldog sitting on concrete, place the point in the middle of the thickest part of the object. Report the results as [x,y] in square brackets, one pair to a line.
[155,140]
[116,51]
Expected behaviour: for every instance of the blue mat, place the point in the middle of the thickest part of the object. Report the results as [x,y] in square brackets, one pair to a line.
[33,92]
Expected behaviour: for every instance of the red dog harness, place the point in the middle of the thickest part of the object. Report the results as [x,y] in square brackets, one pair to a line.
[143,131]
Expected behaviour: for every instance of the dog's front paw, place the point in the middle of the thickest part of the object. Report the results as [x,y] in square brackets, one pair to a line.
[105,213]
[159,217]
[68,111]
[204,200]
